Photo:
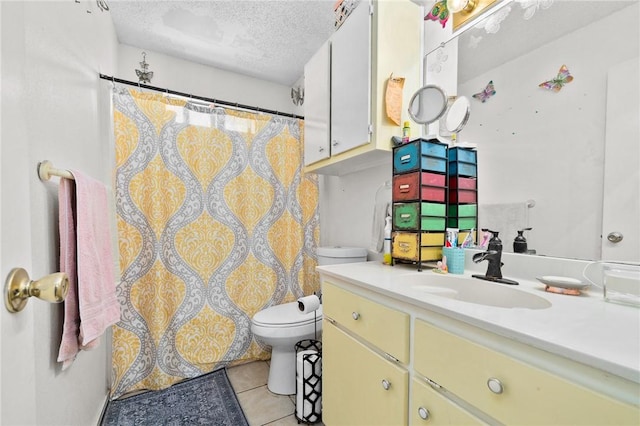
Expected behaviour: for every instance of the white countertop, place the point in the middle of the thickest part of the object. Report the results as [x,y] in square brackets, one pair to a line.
[583,328]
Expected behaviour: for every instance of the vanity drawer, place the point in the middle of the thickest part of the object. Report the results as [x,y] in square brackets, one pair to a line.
[404,245]
[529,396]
[384,327]
[407,187]
[440,410]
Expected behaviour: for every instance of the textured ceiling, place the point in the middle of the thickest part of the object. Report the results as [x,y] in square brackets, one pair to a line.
[266,39]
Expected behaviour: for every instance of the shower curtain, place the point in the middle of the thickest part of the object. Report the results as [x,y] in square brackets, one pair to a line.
[216,221]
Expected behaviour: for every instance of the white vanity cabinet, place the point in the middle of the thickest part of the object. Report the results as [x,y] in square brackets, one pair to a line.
[378,39]
[364,383]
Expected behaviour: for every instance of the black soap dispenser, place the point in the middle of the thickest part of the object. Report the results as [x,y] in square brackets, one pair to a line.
[520,242]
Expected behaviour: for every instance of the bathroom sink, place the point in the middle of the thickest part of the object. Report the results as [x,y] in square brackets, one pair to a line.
[473,291]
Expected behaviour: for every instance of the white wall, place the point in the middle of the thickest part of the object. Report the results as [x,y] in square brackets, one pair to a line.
[52,108]
[189,77]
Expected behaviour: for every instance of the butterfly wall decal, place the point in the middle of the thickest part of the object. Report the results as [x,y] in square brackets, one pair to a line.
[488,92]
[557,83]
[439,12]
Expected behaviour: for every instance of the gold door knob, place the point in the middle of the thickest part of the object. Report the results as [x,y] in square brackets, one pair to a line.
[19,288]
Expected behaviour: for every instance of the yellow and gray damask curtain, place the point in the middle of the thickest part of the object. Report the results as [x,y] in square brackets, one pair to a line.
[216,221]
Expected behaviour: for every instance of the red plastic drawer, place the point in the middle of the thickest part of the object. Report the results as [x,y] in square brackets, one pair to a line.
[462,196]
[433,193]
[462,183]
[405,187]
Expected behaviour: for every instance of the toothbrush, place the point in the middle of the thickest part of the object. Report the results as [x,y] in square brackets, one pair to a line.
[485,239]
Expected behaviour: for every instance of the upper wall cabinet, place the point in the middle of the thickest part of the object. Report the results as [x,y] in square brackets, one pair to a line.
[317,107]
[378,39]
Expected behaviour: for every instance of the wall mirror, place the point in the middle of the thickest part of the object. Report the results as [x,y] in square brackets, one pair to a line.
[553,87]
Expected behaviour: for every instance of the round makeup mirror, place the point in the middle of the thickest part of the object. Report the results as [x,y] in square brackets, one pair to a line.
[458,114]
[428,104]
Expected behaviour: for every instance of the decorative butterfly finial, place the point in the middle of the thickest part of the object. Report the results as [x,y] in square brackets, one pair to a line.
[439,12]
[488,92]
[556,84]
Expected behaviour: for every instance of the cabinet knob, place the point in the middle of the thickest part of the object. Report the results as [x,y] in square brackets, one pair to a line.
[423,413]
[355,315]
[335,143]
[321,149]
[495,385]
[386,384]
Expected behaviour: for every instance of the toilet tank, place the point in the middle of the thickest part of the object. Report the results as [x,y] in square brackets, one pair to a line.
[335,255]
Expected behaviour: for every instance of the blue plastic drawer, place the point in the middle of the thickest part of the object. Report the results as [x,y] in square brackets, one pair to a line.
[406,158]
[463,154]
[433,148]
[429,155]
[462,169]
[434,164]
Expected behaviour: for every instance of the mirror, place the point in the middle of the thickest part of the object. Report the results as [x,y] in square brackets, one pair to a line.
[428,104]
[457,114]
[553,86]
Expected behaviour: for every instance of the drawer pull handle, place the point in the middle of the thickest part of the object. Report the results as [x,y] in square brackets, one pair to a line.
[405,158]
[335,143]
[404,188]
[405,215]
[386,384]
[321,149]
[355,315]
[495,385]
[404,247]
[423,413]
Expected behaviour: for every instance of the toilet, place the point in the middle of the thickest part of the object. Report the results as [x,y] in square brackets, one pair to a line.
[282,326]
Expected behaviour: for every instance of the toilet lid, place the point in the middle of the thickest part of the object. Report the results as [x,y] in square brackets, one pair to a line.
[286,314]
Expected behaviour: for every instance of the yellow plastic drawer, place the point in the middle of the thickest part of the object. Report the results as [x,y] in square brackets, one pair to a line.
[438,410]
[529,395]
[384,327]
[433,239]
[404,245]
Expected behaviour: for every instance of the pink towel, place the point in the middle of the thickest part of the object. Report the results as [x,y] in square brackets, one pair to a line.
[85,254]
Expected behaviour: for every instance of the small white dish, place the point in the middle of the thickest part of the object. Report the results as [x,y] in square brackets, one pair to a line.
[563,282]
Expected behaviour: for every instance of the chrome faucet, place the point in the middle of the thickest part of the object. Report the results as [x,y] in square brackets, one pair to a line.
[494,256]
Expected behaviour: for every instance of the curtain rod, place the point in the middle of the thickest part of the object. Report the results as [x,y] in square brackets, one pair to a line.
[200,98]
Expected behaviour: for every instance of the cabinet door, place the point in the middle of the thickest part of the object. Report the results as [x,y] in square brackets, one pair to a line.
[317,106]
[429,407]
[351,81]
[353,391]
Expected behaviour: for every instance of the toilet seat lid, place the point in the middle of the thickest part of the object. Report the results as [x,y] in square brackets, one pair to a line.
[286,314]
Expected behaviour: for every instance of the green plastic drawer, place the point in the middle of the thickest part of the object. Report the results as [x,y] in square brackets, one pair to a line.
[462,222]
[432,223]
[463,210]
[433,209]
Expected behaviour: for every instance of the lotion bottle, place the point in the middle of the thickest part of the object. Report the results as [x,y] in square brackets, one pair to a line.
[387,242]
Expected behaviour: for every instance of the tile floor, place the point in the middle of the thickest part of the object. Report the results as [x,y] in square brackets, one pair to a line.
[260,406]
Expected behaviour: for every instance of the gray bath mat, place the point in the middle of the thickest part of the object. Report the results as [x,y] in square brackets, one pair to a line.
[204,400]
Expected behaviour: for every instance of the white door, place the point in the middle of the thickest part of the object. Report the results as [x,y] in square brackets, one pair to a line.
[351,81]
[621,200]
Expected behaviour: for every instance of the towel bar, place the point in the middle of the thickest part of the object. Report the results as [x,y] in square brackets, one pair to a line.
[46,170]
